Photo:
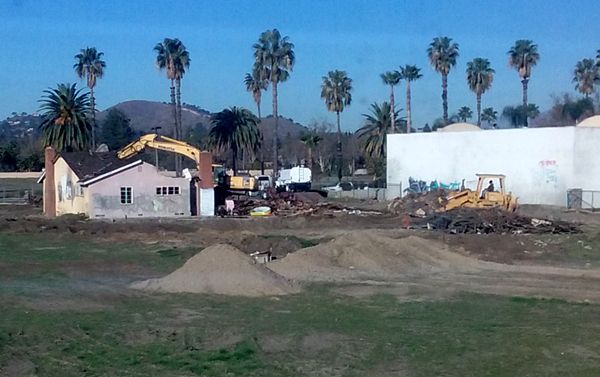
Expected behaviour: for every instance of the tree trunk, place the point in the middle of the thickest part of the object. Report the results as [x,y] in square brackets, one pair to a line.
[339,147]
[479,110]
[262,147]
[275,136]
[392,112]
[310,161]
[234,164]
[179,132]
[408,113]
[93,108]
[174,107]
[445,97]
[524,82]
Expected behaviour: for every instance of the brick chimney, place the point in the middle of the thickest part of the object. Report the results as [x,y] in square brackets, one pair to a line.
[49,184]
[205,171]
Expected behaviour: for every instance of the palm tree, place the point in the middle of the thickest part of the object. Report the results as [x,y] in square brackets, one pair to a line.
[65,123]
[377,126]
[464,113]
[517,115]
[489,115]
[585,76]
[523,56]
[409,73]
[336,91]
[172,56]
[235,129]
[91,66]
[311,140]
[442,54]
[274,55]
[255,84]
[391,78]
[479,77]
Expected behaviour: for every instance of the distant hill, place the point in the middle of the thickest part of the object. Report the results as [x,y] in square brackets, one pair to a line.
[145,115]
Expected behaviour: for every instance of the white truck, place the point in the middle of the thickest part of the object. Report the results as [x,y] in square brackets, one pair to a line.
[298,178]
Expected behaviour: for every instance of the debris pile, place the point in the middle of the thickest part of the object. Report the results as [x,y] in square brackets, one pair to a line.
[419,204]
[494,220]
[295,204]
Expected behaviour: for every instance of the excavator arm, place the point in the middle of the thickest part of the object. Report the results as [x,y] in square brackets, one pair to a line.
[162,143]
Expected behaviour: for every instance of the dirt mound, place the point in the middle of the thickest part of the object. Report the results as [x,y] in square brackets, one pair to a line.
[418,204]
[370,253]
[221,269]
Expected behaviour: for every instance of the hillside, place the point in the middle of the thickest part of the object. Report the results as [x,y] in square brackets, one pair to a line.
[145,115]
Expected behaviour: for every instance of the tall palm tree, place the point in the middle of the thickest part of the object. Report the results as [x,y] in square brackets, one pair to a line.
[336,91]
[585,76]
[89,64]
[442,53]
[274,55]
[235,129]
[377,125]
[255,84]
[489,115]
[479,77]
[65,124]
[391,78]
[409,73]
[464,113]
[523,56]
[172,56]
[311,140]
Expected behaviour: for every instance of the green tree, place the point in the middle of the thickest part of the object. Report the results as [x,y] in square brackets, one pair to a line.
[255,83]
[391,78]
[489,115]
[116,131]
[336,90]
[518,115]
[585,76]
[575,110]
[311,140]
[274,56]
[172,56]
[464,113]
[409,73]
[479,77]
[523,56]
[235,129]
[377,125]
[442,53]
[65,125]
[89,65]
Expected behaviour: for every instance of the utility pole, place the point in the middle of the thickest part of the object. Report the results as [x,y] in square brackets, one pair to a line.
[155,129]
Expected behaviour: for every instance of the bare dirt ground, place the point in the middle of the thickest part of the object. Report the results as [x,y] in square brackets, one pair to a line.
[371,252]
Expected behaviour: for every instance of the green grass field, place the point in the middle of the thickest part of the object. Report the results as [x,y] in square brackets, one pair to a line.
[66,312]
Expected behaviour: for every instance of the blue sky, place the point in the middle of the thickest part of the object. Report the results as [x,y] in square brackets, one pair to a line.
[364,38]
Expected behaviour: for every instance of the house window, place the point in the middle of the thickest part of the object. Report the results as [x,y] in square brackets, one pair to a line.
[167,190]
[126,195]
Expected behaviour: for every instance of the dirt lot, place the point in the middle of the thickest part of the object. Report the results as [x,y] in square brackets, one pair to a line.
[345,295]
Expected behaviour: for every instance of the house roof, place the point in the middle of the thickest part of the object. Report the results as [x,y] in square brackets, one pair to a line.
[93,167]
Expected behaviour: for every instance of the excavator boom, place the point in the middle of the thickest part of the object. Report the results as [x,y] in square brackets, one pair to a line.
[162,143]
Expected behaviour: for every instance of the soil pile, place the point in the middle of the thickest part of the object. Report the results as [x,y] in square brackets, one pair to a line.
[370,254]
[419,204]
[221,269]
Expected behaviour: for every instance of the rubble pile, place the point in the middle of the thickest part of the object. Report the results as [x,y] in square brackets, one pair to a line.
[419,204]
[295,204]
[494,220]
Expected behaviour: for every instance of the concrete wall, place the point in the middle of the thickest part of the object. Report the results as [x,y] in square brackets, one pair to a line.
[68,196]
[540,164]
[105,195]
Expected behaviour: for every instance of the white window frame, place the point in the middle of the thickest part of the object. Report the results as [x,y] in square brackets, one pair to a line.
[167,190]
[130,195]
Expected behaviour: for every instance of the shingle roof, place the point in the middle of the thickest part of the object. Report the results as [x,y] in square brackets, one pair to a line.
[91,165]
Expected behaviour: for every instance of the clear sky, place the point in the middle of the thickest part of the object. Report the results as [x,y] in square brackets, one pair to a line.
[365,38]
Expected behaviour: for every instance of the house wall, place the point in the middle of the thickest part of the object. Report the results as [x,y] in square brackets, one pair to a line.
[105,195]
[540,164]
[66,194]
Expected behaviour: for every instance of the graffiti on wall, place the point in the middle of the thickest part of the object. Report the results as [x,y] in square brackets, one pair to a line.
[547,173]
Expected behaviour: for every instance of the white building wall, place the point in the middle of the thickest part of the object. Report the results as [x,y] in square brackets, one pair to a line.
[540,164]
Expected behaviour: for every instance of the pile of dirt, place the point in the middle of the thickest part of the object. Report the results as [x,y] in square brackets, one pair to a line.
[418,204]
[370,254]
[221,269]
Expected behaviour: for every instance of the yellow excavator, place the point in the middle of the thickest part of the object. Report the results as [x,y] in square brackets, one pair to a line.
[164,143]
[483,198]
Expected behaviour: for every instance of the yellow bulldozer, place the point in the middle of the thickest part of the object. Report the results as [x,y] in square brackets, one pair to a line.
[488,197]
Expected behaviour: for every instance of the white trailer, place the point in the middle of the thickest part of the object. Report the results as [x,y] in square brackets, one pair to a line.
[298,178]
